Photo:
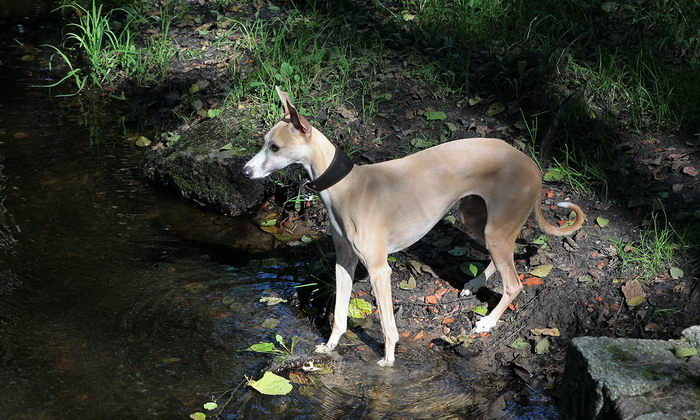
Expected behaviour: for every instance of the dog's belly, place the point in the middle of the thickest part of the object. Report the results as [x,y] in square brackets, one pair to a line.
[403,238]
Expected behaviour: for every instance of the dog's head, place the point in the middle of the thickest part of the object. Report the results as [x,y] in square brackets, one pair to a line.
[287,142]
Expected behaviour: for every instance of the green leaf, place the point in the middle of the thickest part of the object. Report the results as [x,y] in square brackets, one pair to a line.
[553,175]
[475,100]
[495,109]
[540,240]
[471,269]
[256,84]
[676,273]
[211,405]
[270,323]
[682,352]
[450,219]
[194,89]
[434,115]
[198,416]
[542,270]
[263,348]
[421,143]
[519,343]
[458,251]
[305,239]
[268,222]
[409,284]
[271,384]
[451,127]
[391,258]
[480,310]
[214,112]
[227,146]
[602,221]
[636,300]
[272,300]
[286,69]
[143,141]
[279,339]
[359,308]
[543,346]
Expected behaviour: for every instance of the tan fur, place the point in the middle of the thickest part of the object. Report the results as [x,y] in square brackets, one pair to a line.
[382,208]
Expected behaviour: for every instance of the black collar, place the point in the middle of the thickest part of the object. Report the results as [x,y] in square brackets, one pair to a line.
[338,169]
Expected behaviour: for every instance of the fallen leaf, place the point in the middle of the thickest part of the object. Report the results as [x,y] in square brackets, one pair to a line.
[532,281]
[20,135]
[676,273]
[683,352]
[359,308]
[542,270]
[634,293]
[300,378]
[481,309]
[519,343]
[542,347]
[690,170]
[272,300]
[448,321]
[440,293]
[434,115]
[143,141]
[409,284]
[552,332]
[602,221]
[431,300]
[495,109]
[27,57]
[585,278]
[475,100]
[198,416]
[270,324]
[418,336]
[271,384]
[458,251]
[211,405]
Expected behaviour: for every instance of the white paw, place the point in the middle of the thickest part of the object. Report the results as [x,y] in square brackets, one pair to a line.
[473,285]
[485,324]
[465,292]
[324,349]
[385,363]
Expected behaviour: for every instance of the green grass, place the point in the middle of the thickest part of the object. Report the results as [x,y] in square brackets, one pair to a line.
[109,54]
[658,248]
[311,57]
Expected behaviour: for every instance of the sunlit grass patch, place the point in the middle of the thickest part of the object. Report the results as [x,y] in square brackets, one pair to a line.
[659,246]
[308,56]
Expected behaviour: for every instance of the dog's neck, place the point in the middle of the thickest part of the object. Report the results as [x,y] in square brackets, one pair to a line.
[321,156]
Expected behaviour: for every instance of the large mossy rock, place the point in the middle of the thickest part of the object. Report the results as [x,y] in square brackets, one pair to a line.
[619,378]
[198,167]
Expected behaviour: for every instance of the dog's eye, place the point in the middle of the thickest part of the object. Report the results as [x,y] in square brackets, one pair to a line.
[274,147]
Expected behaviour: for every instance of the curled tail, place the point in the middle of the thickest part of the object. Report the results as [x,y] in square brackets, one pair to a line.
[555,230]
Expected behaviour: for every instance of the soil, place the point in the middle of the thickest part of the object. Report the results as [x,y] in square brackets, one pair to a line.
[583,293]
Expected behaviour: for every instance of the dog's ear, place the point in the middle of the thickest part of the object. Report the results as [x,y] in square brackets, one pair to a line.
[298,121]
[285,100]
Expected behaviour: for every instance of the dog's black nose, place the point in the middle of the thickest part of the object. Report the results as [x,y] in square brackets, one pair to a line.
[248,172]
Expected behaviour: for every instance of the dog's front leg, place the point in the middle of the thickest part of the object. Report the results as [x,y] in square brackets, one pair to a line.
[380,277]
[346,261]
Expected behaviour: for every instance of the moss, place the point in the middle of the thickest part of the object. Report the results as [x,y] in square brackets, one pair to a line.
[621,355]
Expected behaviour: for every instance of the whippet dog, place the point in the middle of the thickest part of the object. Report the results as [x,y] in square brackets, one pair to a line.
[381,208]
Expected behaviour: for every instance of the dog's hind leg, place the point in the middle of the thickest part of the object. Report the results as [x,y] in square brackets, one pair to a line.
[472,210]
[500,245]
[346,262]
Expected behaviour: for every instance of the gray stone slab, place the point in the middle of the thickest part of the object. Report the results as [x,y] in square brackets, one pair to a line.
[618,378]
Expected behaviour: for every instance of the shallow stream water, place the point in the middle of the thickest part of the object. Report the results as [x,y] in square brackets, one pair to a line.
[121,301]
